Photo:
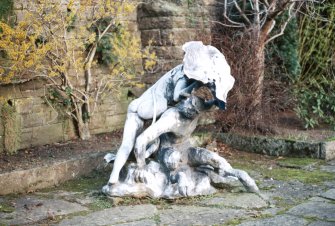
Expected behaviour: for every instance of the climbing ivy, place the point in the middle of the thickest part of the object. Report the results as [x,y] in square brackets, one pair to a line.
[6,9]
[316,84]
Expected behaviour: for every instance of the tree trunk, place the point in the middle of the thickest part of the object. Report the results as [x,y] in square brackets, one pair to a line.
[256,104]
[83,129]
[82,126]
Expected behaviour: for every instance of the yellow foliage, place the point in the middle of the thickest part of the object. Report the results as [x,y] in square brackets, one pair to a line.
[55,37]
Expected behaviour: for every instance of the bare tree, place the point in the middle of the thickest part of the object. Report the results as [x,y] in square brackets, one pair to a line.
[258,18]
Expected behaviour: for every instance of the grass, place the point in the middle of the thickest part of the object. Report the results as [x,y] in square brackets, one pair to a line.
[6,207]
[299,161]
[315,176]
[94,181]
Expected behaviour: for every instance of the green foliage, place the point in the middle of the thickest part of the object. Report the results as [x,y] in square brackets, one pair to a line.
[6,9]
[283,51]
[105,54]
[316,103]
[315,86]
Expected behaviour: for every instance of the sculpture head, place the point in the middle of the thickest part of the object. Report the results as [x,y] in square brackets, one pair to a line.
[192,106]
[207,65]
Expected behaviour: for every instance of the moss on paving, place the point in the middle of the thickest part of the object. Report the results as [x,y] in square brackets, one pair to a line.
[92,182]
[6,207]
[299,161]
[267,170]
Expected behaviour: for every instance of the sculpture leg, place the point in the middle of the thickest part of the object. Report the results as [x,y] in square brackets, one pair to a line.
[244,178]
[165,124]
[201,156]
[132,126]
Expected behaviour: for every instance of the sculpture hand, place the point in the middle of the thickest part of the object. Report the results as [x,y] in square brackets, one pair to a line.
[184,94]
[140,174]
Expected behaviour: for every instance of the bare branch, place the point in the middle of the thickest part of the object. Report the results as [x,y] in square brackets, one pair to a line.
[242,13]
[235,24]
[284,25]
[227,25]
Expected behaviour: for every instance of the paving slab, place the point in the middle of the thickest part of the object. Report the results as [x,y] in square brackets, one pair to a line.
[319,210]
[238,200]
[322,223]
[29,210]
[281,220]
[330,194]
[113,216]
[196,215]
[145,222]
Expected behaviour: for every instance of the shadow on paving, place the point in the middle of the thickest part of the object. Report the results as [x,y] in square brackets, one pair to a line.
[293,192]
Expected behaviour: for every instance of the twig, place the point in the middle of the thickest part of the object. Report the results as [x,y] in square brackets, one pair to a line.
[283,26]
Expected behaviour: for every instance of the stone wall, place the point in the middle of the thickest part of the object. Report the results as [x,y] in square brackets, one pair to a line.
[165,25]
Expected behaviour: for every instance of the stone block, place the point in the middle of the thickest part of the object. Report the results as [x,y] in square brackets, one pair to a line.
[115,121]
[32,85]
[70,131]
[133,28]
[177,36]
[24,105]
[2,148]
[47,134]
[169,52]
[32,120]
[119,108]
[160,9]
[149,23]
[151,36]
[1,125]
[49,175]
[98,120]
[327,150]
[33,93]
[10,92]
[303,149]
[26,137]
[213,2]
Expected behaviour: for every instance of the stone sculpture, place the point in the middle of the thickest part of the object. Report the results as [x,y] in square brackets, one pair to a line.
[174,168]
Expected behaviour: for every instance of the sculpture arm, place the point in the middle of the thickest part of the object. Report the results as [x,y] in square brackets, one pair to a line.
[183,90]
[219,103]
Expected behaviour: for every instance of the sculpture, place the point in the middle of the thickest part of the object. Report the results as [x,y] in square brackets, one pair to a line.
[177,169]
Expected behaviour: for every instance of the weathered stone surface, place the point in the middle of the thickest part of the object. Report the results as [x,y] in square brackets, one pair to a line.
[238,200]
[29,210]
[25,105]
[144,222]
[169,52]
[330,194]
[322,223]
[320,210]
[273,146]
[195,215]
[151,36]
[112,216]
[47,134]
[10,92]
[328,150]
[283,220]
[46,176]
[161,22]
[178,36]
[330,167]
[160,9]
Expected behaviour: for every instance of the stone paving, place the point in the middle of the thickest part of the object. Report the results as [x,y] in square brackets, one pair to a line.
[285,201]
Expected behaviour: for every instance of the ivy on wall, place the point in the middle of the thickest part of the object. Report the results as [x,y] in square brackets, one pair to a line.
[6,9]
[315,86]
